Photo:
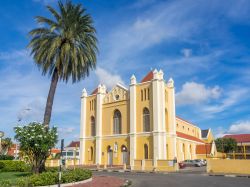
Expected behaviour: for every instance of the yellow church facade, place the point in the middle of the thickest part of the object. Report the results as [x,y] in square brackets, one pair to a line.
[123,125]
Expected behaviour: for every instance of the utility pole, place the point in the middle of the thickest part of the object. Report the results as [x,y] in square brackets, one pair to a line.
[61,160]
[1,135]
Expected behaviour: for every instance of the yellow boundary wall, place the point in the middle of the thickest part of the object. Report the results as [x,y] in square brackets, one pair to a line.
[160,165]
[228,166]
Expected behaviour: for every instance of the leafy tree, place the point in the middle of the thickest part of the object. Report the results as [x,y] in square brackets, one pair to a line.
[6,144]
[226,145]
[64,47]
[35,143]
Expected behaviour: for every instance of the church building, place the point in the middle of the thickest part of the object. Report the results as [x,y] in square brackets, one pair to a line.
[137,122]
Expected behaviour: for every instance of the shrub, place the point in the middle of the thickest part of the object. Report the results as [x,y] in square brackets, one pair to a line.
[13,165]
[76,175]
[6,157]
[50,178]
[52,169]
[6,183]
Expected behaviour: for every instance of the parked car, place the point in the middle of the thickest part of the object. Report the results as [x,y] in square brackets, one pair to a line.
[181,165]
[203,162]
[192,163]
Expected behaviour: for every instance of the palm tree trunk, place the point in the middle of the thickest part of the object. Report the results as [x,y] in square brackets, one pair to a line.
[50,99]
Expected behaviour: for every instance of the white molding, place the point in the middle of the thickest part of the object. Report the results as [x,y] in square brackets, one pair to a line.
[83,126]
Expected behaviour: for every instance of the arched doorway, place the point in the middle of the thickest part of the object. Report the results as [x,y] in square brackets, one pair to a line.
[124,151]
[110,155]
[145,151]
[183,151]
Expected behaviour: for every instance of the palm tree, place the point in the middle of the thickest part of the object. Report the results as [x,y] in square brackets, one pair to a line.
[64,47]
[6,144]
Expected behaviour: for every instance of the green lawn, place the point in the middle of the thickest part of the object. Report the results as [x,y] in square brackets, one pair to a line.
[12,175]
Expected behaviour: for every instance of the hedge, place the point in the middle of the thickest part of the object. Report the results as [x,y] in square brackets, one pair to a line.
[13,165]
[49,178]
[6,157]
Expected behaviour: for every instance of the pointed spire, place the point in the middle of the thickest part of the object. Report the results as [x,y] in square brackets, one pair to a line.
[133,80]
[156,75]
[161,74]
[84,93]
[170,83]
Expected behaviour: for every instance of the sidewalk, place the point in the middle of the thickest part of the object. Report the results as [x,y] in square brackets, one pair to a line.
[103,181]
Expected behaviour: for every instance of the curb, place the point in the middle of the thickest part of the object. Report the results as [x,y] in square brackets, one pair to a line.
[70,184]
[228,175]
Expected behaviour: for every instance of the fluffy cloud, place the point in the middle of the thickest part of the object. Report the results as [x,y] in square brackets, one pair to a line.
[107,78]
[232,97]
[240,127]
[195,93]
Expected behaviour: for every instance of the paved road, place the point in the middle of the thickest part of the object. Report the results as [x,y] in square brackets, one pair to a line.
[179,180]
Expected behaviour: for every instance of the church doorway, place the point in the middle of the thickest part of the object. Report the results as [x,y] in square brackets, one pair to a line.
[124,151]
[110,155]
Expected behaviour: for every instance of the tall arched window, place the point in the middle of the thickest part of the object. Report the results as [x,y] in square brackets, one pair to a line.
[91,153]
[145,151]
[92,126]
[117,122]
[146,120]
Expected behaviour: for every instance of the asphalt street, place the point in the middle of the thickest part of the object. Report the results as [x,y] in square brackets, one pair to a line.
[184,179]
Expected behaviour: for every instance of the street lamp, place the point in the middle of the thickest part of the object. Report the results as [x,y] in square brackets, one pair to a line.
[1,135]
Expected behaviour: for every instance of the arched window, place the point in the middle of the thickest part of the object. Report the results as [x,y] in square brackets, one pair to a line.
[146,120]
[92,126]
[117,122]
[91,153]
[145,151]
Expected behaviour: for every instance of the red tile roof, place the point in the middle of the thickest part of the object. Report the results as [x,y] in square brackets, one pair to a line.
[185,136]
[239,137]
[95,91]
[55,150]
[74,144]
[203,149]
[148,77]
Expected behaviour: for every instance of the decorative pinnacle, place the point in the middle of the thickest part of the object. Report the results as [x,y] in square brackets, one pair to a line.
[170,83]
[84,93]
[133,79]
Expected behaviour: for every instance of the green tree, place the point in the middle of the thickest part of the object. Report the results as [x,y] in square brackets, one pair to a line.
[6,144]
[36,142]
[226,145]
[64,47]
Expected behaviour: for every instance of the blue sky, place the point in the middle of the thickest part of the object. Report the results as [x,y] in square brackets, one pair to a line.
[203,45]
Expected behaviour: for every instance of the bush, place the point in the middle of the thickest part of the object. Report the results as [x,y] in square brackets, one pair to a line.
[6,157]
[76,175]
[13,165]
[52,169]
[50,178]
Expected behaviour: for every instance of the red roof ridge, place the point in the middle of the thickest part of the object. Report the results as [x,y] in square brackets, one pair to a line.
[239,137]
[148,77]
[94,91]
[74,144]
[189,137]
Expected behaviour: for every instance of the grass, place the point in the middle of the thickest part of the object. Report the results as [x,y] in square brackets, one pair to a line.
[12,175]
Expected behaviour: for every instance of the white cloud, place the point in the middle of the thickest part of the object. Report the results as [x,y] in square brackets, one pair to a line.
[107,78]
[195,93]
[232,97]
[186,52]
[240,127]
